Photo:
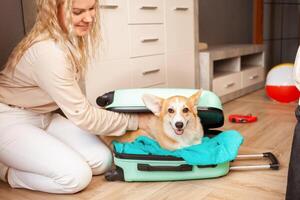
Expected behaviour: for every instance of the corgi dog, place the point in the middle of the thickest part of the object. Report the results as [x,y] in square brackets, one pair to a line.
[175,125]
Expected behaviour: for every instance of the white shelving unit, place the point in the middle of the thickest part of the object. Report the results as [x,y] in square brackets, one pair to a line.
[232,70]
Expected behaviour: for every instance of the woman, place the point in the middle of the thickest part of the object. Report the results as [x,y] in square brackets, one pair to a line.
[293,181]
[40,150]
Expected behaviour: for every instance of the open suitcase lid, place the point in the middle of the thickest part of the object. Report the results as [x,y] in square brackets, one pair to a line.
[130,101]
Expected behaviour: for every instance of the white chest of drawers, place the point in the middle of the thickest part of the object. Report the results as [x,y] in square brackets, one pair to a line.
[145,43]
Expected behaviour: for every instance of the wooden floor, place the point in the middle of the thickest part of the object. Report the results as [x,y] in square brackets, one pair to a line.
[272,132]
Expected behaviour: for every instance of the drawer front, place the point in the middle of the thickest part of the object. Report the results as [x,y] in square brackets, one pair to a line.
[181,70]
[227,84]
[145,11]
[179,24]
[252,76]
[113,45]
[146,40]
[148,71]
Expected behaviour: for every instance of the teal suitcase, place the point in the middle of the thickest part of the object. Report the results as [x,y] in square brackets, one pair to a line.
[133,167]
[130,167]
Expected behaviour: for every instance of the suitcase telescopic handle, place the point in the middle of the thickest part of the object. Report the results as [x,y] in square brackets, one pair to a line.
[147,167]
[274,164]
[274,161]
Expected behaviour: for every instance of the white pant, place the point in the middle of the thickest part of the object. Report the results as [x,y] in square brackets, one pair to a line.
[48,153]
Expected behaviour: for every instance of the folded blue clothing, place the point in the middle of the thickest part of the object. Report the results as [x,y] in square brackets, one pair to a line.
[219,149]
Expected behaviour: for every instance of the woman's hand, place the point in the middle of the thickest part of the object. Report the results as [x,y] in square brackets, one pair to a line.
[146,120]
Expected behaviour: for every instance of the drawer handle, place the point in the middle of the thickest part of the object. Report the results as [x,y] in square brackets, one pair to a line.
[181,8]
[148,7]
[109,6]
[150,40]
[229,85]
[253,77]
[151,71]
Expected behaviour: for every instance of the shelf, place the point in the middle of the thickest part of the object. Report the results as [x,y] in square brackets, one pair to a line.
[218,74]
[252,60]
[228,65]
[232,70]
[247,67]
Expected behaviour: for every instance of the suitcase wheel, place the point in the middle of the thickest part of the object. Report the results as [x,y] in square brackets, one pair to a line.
[115,175]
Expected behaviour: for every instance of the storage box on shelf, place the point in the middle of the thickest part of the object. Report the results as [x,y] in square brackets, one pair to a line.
[232,70]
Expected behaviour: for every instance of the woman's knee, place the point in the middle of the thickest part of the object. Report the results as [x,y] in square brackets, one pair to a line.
[101,161]
[74,179]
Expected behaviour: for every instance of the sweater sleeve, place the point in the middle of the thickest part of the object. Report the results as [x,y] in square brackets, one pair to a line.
[297,69]
[54,75]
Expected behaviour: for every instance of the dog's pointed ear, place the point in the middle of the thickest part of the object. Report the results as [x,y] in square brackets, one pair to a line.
[153,103]
[194,99]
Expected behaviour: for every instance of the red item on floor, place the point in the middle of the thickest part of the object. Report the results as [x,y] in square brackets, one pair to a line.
[242,118]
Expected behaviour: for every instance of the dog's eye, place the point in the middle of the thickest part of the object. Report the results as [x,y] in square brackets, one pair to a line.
[171,110]
[185,110]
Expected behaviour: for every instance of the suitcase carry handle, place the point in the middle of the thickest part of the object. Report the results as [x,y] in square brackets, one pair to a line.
[147,167]
[183,167]
[273,165]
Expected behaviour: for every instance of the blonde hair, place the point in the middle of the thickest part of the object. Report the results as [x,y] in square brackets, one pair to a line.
[78,49]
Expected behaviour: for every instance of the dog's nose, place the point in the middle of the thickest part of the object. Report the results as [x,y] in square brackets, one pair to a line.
[179,124]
